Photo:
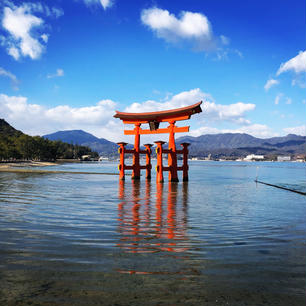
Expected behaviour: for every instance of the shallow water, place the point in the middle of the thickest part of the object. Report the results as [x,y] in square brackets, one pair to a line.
[220,239]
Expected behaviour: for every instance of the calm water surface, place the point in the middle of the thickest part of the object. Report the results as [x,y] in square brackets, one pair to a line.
[220,239]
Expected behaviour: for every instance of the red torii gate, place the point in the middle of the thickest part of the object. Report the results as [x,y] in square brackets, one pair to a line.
[154,119]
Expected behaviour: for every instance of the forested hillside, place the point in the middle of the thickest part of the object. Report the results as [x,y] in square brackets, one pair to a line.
[16,145]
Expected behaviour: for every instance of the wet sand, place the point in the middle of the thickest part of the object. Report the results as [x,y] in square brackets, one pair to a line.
[12,170]
[48,288]
[23,167]
[9,165]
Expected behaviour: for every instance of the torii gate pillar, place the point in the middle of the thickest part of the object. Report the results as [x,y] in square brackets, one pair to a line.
[136,163]
[172,157]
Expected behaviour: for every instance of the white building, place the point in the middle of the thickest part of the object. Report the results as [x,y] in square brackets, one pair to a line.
[254,157]
[283,158]
[86,157]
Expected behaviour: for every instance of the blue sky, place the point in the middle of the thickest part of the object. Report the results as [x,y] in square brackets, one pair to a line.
[70,64]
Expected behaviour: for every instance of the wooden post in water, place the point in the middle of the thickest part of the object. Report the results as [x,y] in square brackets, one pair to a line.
[121,165]
[185,146]
[159,166]
[172,158]
[148,160]
[136,163]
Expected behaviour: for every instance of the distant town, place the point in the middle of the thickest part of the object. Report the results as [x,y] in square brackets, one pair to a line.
[249,158]
[254,157]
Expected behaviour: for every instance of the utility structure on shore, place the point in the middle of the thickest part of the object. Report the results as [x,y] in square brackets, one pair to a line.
[154,119]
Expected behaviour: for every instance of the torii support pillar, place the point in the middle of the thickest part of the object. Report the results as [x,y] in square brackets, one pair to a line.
[185,146]
[121,166]
[148,160]
[159,166]
[172,157]
[136,163]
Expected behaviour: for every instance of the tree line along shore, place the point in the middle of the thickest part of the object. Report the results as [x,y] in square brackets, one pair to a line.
[17,146]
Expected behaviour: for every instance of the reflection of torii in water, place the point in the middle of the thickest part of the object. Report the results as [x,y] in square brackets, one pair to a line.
[141,230]
[154,119]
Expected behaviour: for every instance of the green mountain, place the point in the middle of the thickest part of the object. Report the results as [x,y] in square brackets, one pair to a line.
[15,145]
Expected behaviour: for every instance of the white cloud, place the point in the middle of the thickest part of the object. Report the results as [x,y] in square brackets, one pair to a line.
[204,130]
[280,97]
[299,80]
[223,53]
[14,52]
[298,130]
[11,76]
[20,23]
[59,73]
[192,27]
[239,53]
[37,119]
[277,98]
[270,83]
[57,12]
[232,112]
[98,119]
[105,3]
[211,111]
[42,8]
[297,64]
[182,99]
[225,40]
[45,37]
[288,100]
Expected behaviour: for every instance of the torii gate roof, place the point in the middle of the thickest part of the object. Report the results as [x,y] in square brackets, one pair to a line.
[176,114]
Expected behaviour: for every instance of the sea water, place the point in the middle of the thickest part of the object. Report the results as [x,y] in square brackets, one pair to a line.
[90,239]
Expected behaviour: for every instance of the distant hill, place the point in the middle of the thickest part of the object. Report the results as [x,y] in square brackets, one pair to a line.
[72,136]
[221,141]
[227,144]
[79,137]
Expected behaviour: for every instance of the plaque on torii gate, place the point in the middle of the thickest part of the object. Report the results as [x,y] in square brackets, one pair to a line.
[154,119]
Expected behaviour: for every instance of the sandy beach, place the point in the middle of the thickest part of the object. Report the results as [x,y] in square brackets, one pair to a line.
[31,163]
[31,167]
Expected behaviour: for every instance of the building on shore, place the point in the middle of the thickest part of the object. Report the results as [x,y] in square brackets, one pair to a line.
[283,158]
[300,158]
[208,157]
[252,157]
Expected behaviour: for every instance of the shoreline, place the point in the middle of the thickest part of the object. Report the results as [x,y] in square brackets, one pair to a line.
[23,167]
[11,170]
[21,164]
